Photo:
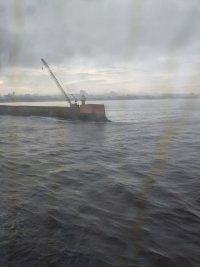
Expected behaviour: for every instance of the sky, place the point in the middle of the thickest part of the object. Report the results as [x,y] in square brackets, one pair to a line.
[126,46]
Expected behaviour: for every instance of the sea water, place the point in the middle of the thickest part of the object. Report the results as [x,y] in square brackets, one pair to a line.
[124,193]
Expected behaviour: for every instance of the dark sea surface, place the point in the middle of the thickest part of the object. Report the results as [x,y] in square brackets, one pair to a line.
[119,194]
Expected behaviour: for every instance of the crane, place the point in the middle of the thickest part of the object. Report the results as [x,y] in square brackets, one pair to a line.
[56,81]
[75,98]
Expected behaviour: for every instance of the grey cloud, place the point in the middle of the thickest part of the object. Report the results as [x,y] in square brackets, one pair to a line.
[100,31]
[117,38]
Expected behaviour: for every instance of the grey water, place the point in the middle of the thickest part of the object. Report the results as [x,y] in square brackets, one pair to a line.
[71,192]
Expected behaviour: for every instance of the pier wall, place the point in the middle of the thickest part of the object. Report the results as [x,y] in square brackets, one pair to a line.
[89,112]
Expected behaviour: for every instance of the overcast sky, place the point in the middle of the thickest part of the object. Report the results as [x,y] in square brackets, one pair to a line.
[127,46]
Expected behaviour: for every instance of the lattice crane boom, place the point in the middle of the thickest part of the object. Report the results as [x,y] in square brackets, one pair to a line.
[56,81]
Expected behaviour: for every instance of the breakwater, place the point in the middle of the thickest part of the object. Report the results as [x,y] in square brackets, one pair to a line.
[89,112]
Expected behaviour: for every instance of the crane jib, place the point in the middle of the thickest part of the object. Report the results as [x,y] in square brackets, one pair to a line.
[56,81]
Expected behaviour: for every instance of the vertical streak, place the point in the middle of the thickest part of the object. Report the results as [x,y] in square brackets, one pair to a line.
[135,29]
[172,130]
[19,21]
[12,235]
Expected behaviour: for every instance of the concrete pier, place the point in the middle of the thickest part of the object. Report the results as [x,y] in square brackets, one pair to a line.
[89,112]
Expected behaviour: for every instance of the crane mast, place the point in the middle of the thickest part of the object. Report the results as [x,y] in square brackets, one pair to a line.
[56,81]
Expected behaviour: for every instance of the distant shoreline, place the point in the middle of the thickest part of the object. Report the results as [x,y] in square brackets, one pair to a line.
[37,98]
